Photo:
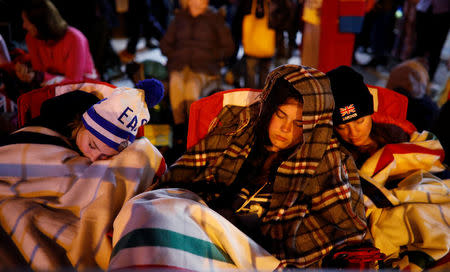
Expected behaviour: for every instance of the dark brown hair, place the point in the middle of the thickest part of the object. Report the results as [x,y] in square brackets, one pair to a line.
[46,18]
[281,91]
[76,125]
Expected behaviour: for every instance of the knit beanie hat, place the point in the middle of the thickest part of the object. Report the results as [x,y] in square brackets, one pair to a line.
[352,98]
[115,119]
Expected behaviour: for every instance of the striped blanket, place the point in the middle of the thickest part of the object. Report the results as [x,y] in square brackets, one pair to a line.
[408,208]
[172,229]
[56,208]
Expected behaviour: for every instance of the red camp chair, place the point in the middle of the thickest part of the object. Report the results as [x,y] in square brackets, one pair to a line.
[203,111]
[390,107]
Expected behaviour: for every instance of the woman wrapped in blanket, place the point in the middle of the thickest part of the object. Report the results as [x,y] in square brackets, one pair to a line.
[96,129]
[277,172]
[404,180]
[57,198]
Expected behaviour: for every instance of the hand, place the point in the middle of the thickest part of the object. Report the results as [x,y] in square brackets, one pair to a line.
[24,72]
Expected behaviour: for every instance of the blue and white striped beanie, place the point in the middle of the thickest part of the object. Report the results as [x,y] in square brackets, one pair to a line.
[115,119]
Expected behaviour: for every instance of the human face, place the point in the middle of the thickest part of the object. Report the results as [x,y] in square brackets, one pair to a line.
[92,147]
[286,127]
[356,132]
[28,26]
[197,7]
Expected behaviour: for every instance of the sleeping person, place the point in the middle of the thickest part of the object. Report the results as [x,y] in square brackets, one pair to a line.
[65,176]
[352,116]
[96,129]
[402,176]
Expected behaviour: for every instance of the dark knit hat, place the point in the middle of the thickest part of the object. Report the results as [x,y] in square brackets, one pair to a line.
[352,98]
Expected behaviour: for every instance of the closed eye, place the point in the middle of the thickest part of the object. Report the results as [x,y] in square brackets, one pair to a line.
[92,144]
[340,127]
[298,123]
[280,114]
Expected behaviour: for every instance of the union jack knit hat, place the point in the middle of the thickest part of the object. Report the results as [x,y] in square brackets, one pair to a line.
[352,98]
[115,119]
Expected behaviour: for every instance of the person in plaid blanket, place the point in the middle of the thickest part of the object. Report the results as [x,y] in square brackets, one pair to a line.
[276,170]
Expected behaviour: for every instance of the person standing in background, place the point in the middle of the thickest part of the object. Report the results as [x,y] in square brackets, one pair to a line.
[197,43]
[257,67]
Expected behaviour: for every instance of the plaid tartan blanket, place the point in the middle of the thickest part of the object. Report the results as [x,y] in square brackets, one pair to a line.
[56,208]
[408,208]
[172,229]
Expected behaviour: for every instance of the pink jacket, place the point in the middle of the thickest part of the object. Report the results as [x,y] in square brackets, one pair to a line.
[64,60]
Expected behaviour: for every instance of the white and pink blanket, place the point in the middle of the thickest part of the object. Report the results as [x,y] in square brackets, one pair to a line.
[57,209]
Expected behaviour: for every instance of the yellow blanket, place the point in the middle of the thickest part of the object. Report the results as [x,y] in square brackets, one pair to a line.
[408,208]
